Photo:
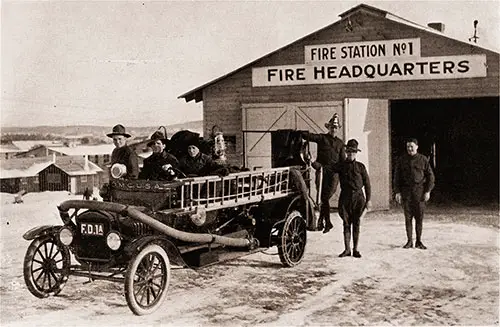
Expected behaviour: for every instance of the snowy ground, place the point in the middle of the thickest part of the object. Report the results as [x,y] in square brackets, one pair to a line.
[454,282]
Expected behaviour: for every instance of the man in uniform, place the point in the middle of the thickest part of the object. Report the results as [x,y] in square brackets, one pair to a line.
[352,202]
[330,152]
[122,153]
[157,166]
[412,183]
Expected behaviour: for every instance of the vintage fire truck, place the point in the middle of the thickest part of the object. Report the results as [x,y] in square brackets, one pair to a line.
[143,227]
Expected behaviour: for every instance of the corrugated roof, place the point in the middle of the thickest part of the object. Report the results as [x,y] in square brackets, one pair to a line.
[76,166]
[23,167]
[28,167]
[197,93]
[27,145]
[100,149]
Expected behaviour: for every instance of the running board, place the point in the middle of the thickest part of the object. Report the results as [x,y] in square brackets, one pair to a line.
[219,255]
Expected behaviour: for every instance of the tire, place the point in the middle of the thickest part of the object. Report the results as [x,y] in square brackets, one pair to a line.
[292,238]
[147,280]
[46,267]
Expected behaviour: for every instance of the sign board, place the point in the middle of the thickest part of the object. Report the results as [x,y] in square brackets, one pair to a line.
[362,51]
[379,61]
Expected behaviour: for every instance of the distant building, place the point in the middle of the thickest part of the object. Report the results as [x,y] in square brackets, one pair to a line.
[72,174]
[22,174]
[8,151]
[37,151]
[28,145]
[98,154]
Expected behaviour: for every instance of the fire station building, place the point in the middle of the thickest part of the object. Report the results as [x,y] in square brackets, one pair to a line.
[388,79]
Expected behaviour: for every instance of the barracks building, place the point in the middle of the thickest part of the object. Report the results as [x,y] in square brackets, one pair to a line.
[388,79]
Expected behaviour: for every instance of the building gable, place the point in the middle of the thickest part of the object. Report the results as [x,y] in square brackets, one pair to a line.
[361,23]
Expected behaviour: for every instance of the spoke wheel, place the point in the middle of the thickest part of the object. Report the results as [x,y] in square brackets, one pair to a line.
[293,237]
[147,280]
[46,267]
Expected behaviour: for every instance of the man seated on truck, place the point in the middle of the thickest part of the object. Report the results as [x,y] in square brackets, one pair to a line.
[122,154]
[196,163]
[158,166]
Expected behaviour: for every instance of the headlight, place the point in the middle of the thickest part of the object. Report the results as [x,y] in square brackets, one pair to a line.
[66,236]
[118,170]
[113,240]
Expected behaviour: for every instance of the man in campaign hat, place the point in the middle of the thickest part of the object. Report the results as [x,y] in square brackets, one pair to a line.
[158,165]
[122,153]
[330,152]
[352,202]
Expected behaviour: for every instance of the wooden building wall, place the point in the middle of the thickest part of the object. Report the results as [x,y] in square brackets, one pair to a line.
[222,101]
[53,179]
[84,181]
[14,185]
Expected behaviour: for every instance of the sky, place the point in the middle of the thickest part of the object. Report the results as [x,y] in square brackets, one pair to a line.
[108,62]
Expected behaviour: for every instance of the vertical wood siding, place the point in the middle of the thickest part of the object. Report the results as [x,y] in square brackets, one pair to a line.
[53,179]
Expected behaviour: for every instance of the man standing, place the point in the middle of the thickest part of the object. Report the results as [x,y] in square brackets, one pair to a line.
[352,202]
[330,151]
[412,183]
[122,153]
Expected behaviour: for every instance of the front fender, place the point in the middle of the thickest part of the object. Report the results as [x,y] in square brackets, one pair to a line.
[173,252]
[40,231]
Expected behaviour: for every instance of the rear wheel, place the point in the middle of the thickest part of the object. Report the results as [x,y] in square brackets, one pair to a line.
[147,280]
[293,237]
[46,267]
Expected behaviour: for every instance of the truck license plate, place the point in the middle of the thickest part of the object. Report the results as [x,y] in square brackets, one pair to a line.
[92,229]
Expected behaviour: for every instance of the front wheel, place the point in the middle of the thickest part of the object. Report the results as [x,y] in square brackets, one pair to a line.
[46,267]
[293,237]
[147,280]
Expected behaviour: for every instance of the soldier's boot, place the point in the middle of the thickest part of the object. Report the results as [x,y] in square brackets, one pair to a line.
[355,238]
[328,225]
[347,244]
[324,216]
[420,245]
[409,232]
[418,229]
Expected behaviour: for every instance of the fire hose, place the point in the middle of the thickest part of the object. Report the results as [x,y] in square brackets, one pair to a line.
[134,213]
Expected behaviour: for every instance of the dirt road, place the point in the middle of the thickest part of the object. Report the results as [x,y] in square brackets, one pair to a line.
[454,282]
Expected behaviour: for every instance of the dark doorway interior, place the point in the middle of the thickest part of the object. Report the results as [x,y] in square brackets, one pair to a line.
[461,138]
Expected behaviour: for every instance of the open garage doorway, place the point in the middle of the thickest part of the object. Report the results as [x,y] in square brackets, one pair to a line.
[461,138]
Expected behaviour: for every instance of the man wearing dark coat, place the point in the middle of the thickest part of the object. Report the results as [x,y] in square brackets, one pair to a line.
[352,202]
[194,162]
[122,153]
[158,166]
[413,181]
[330,152]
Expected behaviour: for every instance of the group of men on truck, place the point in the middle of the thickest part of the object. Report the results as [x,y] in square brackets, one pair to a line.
[161,164]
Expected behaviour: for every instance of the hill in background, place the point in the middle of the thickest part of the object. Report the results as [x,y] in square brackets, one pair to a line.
[101,131]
